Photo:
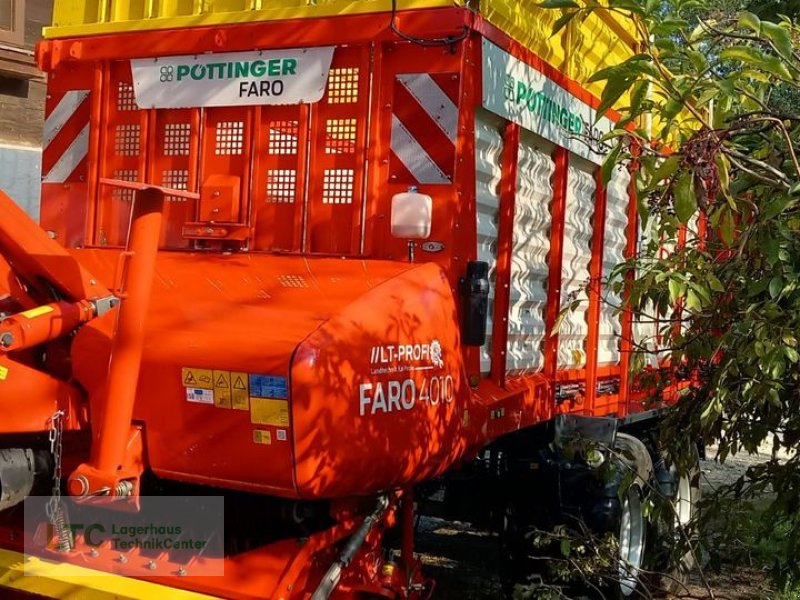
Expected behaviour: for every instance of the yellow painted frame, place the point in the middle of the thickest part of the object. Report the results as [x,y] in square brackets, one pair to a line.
[61,580]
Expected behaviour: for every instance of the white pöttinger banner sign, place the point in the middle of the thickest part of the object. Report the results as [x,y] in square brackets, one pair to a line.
[291,76]
[521,94]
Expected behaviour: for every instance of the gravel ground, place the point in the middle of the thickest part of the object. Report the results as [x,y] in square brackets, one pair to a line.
[464,562]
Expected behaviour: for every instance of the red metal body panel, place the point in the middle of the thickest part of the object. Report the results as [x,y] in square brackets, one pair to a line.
[272,315]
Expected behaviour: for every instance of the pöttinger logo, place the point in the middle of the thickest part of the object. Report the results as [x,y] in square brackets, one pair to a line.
[167,73]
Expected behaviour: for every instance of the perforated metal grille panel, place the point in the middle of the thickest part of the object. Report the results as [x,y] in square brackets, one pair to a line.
[282,137]
[281,185]
[229,138]
[124,175]
[177,139]
[176,179]
[343,85]
[337,186]
[340,136]
[125,97]
[126,140]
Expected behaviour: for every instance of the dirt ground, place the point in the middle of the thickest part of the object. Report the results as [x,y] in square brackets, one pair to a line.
[465,562]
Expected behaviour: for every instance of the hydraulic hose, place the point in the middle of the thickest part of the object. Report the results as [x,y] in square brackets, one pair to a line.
[334,572]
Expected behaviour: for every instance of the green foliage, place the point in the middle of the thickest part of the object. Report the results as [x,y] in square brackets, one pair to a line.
[718,276]
[712,134]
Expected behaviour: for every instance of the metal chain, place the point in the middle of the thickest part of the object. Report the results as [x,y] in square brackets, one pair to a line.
[56,511]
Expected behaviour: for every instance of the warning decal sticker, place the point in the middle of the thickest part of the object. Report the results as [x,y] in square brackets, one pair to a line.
[222,389]
[265,396]
[262,437]
[269,386]
[199,378]
[269,411]
[199,395]
[240,391]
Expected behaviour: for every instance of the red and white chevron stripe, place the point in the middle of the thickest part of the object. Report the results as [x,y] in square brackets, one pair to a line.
[66,135]
[424,128]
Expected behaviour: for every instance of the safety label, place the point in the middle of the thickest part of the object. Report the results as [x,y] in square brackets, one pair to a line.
[240,391]
[3,373]
[199,395]
[222,389]
[269,411]
[236,390]
[262,437]
[269,386]
[198,378]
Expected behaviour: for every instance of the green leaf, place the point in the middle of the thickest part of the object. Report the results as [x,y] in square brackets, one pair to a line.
[727,227]
[713,282]
[748,20]
[671,109]
[791,354]
[630,67]
[685,197]
[698,59]
[665,169]
[724,174]
[563,21]
[609,163]
[758,59]
[780,37]
[676,290]
[776,205]
[615,87]
[558,4]
[775,286]
[693,301]
[638,96]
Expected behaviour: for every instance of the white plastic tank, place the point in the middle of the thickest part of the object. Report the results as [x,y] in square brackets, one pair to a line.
[412,213]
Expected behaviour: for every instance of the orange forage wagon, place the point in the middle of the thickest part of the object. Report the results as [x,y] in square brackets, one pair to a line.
[309,258]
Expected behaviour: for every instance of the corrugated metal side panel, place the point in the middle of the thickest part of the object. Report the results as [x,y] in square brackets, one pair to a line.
[531,245]
[488,153]
[91,17]
[610,326]
[21,176]
[575,263]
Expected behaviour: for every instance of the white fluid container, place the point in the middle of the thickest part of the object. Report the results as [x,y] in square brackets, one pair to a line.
[412,213]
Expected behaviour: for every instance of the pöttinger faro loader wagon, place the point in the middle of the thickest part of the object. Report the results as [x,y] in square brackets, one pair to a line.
[307,256]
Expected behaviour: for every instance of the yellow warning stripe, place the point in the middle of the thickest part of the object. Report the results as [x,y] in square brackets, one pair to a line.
[62,580]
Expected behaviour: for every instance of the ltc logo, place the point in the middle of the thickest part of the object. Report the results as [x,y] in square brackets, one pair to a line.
[167,73]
